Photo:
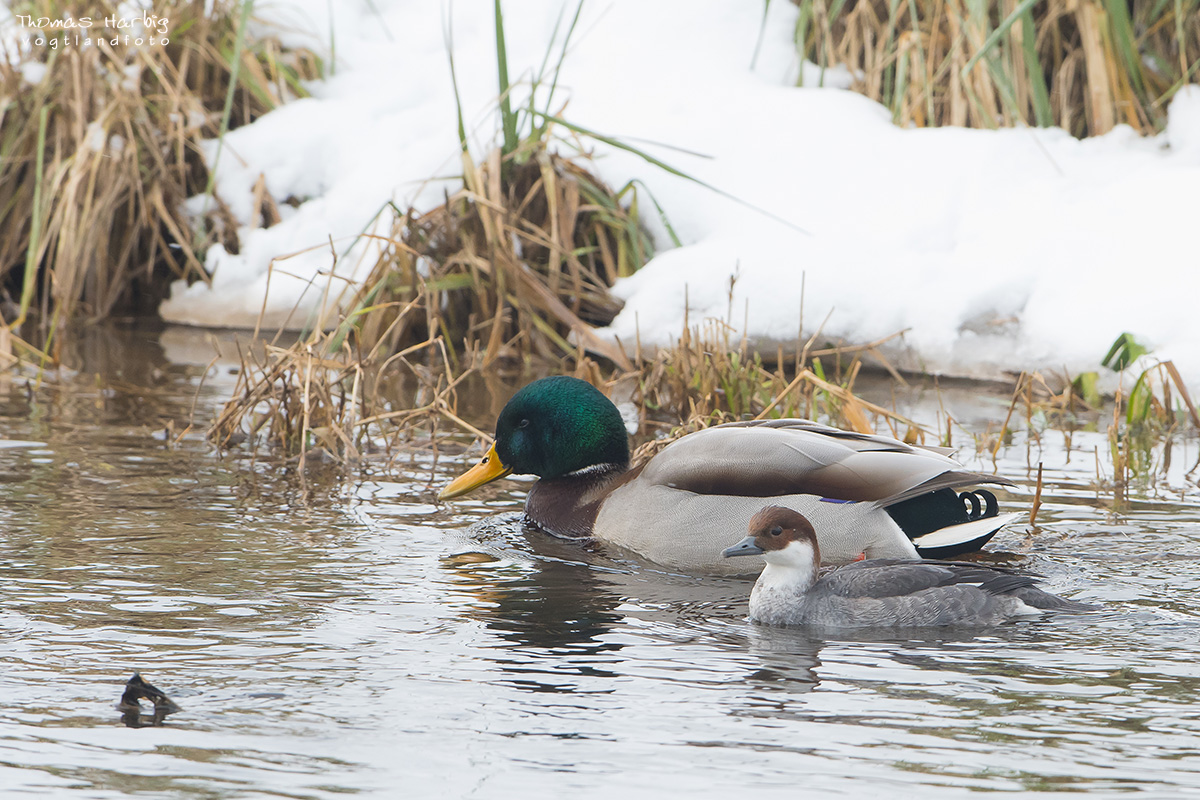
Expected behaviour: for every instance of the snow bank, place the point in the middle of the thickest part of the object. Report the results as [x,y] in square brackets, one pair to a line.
[994,250]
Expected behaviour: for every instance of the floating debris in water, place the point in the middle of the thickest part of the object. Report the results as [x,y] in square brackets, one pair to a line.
[136,690]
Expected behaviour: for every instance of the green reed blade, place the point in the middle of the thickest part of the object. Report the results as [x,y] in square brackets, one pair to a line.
[35,224]
[508,119]
[1042,110]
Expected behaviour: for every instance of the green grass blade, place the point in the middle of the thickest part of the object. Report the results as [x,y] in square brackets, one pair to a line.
[448,35]
[662,214]
[508,119]
[35,223]
[800,40]
[889,72]
[1121,28]
[915,21]
[1043,112]
[558,67]
[900,88]
[649,159]
[540,76]
[762,30]
[1180,38]
[1124,351]
[995,36]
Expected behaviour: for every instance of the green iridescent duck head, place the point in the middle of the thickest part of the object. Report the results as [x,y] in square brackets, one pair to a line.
[550,428]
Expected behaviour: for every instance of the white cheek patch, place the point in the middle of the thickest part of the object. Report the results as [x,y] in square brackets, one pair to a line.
[796,555]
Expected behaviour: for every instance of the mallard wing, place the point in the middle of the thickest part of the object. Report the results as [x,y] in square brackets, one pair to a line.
[774,458]
[696,496]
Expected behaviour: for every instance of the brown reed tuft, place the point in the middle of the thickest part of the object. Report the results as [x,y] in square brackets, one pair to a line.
[100,146]
[1084,65]
[515,263]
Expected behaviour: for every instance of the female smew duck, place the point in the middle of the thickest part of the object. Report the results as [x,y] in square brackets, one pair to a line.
[867,494]
[883,593]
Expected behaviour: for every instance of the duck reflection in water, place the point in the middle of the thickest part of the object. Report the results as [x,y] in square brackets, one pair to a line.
[554,614]
[788,660]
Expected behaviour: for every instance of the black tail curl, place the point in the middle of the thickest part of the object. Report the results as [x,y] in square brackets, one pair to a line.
[941,509]
[991,507]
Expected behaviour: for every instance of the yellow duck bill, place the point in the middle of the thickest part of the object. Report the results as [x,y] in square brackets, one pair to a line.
[489,468]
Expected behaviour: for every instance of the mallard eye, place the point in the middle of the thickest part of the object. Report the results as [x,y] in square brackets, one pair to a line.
[523,423]
[777,531]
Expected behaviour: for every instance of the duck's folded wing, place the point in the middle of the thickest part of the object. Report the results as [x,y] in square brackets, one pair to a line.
[947,605]
[782,457]
[879,578]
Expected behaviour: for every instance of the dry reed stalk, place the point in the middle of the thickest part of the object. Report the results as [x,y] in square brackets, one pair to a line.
[1037,497]
[1192,410]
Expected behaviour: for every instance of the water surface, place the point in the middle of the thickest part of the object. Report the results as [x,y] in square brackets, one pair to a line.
[338,633]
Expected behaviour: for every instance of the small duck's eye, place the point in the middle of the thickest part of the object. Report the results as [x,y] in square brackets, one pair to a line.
[777,531]
[523,423]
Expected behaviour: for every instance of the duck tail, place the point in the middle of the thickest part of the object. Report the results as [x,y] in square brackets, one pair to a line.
[1044,601]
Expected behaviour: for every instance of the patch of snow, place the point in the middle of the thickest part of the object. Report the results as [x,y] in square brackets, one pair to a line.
[1183,123]
[33,72]
[994,250]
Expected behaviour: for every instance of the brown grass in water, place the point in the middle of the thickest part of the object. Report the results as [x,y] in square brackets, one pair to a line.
[1143,421]
[318,398]
[707,379]
[511,266]
[1146,417]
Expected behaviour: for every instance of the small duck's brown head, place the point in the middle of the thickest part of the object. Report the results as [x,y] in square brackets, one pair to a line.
[772,530]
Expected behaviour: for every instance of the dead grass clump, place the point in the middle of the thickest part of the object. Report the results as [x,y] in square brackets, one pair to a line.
[320,397]
[1083,65]
[516,263]
[99,147]
[707,379]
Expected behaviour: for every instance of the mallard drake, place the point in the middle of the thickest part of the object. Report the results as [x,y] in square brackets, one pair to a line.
[866,494]
[883,593]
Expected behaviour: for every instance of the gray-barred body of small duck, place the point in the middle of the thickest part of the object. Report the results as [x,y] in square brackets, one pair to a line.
[883,593]
[866,494]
